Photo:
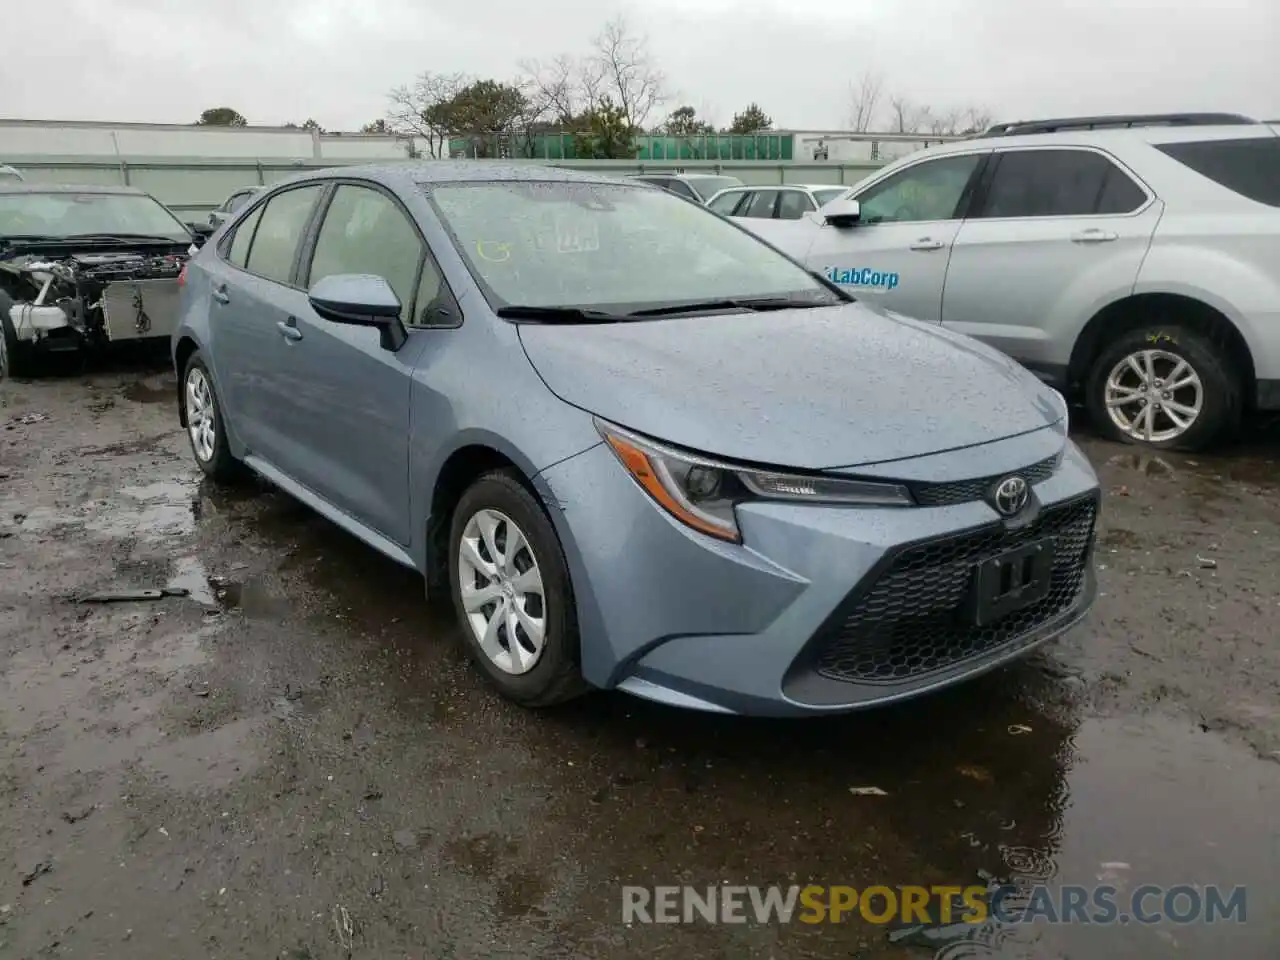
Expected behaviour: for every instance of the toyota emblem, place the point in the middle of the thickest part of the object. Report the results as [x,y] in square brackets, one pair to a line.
[1011,495]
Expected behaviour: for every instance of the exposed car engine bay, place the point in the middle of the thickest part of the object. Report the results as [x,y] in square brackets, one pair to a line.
[91,296]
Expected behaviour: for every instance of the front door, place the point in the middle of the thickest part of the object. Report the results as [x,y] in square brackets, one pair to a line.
[358,402]
[896,255]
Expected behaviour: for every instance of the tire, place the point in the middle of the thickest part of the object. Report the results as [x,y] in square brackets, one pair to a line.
[1218,394]
[15,355]
[207,436]
[530,675]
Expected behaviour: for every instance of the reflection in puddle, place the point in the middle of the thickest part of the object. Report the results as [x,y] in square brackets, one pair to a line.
[1148,803]
[189,574]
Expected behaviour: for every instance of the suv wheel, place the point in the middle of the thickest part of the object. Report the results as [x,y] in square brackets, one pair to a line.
[1165,387]
[512,594]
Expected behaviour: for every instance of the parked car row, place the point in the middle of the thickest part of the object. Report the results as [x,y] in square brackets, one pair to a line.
[1132,262]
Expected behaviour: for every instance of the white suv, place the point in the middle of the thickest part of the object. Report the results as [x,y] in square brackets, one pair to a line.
[1132,261]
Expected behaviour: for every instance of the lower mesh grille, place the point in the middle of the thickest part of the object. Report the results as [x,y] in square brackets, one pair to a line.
[913,622]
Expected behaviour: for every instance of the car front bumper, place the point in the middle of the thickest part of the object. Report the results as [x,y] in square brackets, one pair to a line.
[822,608]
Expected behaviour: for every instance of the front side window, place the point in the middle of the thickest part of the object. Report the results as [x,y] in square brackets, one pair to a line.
[557,243]
[1250,168]
[1058,183]
[924,191]
[280,227]
[825,196]
[364,231]
[64,214]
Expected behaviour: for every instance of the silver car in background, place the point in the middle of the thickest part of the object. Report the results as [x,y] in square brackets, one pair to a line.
[783,201]
[1132,261]
[640,449]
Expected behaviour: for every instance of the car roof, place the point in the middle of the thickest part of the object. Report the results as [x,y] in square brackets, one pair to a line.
[28,187]
[408,173]
[1102,137]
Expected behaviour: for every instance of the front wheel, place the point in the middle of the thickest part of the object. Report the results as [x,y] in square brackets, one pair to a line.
[512,593]
[1164,387]
[204,420]
[15,354]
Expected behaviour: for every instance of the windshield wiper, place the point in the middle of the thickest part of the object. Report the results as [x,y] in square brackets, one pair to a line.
[744,304]
[123,237]
[558,314]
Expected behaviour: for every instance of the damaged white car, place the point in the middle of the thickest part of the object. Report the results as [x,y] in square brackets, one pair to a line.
[81,266]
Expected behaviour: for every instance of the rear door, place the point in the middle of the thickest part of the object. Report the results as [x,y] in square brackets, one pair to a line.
[253,294]
[1054,234]
[897,254]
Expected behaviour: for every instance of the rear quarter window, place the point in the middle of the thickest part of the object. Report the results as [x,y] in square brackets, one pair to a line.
[1250,167]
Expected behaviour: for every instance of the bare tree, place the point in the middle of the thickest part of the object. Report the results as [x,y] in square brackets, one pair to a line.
[627,71]
[864,99]
[906,116]
[561,90]
[976,120]
[944,122]
[421,110]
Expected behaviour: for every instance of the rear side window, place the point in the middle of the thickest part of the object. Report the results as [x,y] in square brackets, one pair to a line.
[793,205]
[725,203]
[1250,168]
[239,252]
[275,242]
[1058,183]
[682,189]
[761,205]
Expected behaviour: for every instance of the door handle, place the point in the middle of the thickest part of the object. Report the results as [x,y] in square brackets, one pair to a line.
[220,294]
[927,243]
[289,328]
[1094,235]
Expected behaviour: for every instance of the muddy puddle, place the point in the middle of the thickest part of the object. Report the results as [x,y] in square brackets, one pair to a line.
[296,738]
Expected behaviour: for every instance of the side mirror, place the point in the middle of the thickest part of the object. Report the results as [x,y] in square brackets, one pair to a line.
[362,300]
[842,213]
[200,229]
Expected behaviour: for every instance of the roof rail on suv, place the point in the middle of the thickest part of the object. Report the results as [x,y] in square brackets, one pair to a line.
[1021,127]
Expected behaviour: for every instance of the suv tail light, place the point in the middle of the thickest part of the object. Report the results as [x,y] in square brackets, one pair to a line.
[182,276]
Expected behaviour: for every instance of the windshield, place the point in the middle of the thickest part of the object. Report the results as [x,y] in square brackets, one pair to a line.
[823,197]
[608,246]
[709,186]
[72,214]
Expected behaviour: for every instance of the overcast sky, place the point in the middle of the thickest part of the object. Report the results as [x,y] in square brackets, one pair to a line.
[286,60]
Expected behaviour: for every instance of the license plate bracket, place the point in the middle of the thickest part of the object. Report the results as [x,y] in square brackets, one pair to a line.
[1010,581]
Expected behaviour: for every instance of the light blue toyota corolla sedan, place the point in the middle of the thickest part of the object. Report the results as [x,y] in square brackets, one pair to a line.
[640,448]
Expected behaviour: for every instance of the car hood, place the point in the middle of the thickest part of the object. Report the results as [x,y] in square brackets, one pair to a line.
[811,388]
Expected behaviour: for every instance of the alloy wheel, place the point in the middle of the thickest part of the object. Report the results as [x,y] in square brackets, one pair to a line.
[1153,395]
[200,414]
[502,592]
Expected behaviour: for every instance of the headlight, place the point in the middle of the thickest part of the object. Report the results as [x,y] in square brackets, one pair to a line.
[702,493]
[1066,409]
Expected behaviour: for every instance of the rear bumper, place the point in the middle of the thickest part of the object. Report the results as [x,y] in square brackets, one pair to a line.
[771,627]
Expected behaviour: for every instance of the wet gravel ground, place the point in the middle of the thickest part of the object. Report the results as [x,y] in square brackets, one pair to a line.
[295,761]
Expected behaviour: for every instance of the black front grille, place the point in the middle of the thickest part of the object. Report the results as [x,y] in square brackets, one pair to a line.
[913,620]
[964,491]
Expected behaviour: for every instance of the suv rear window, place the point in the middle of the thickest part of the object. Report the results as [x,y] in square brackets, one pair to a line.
[1250,167]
